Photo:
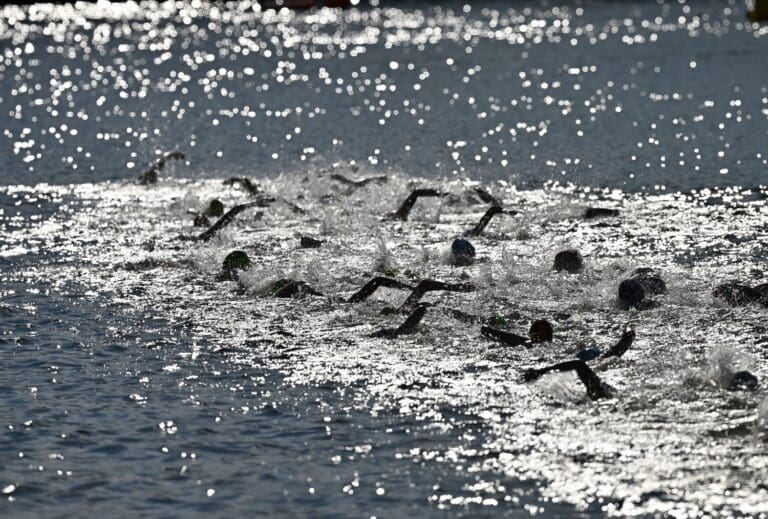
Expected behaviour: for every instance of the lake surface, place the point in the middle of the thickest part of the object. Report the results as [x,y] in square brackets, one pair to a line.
[134,383]
[632,94]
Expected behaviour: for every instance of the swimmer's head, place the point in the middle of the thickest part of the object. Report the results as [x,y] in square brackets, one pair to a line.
[462,252]
[743,380]
[215,208]
[541,331]
[568,260]
[631,293]
[236,260]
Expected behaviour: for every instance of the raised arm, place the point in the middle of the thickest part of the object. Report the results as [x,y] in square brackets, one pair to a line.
[621,347]
[405,208]
[225,220]
[492,211]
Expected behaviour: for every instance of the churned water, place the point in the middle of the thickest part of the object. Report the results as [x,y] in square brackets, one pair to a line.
[135,381]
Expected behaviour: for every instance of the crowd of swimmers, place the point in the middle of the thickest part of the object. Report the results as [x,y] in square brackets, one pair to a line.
[634,292]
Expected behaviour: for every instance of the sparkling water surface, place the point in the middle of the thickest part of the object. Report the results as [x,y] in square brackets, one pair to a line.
[134,383]
[632,95]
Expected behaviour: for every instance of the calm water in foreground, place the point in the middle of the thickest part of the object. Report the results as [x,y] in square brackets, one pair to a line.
[133,383]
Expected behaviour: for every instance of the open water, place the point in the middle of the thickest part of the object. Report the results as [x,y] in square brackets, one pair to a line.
[133,383]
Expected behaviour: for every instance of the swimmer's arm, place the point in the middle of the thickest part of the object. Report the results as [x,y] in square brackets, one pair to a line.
[225,220]
[371,286]
[430,285]
[588,377]
[492,211]
[405,208]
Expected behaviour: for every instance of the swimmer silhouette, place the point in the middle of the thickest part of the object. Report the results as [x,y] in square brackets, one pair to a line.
[410,325]
[227,219]
[430,285]
[405,208]
[492,211]
[743,380]
[462,253]
[371,286]
[595,387]
[215,208]
[150,176]
[631,294]
[621,347]
[235,262]
[540,331]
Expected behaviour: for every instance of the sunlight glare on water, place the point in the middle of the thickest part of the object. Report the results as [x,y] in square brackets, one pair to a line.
[674,414]
[141,375]
[635,95]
